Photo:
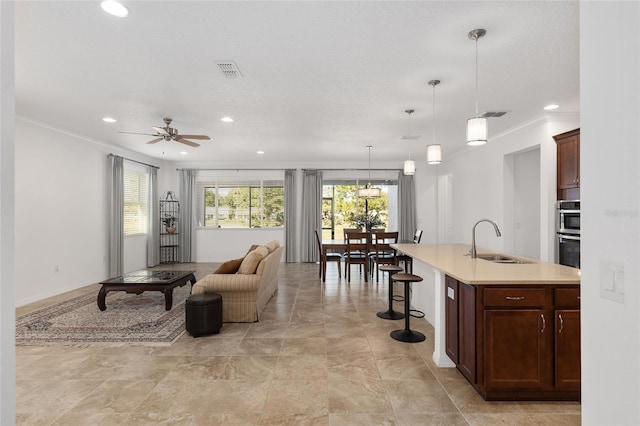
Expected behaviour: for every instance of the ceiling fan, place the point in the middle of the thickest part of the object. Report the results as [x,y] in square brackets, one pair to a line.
[168,133]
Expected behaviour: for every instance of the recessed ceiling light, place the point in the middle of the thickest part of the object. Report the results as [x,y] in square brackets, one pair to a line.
[551,106]
[109,120]
[227,119]
[259,152]
[183,152]
[114,8]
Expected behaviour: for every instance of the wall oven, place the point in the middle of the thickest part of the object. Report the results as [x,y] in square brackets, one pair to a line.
[568,233]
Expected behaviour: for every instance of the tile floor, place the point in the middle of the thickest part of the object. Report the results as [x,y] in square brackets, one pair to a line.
[318,356]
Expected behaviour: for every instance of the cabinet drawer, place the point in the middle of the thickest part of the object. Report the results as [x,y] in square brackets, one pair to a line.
[567,297]
[510,297]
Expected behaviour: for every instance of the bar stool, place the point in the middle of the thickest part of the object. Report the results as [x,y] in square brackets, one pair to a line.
[390,314]
[407,335]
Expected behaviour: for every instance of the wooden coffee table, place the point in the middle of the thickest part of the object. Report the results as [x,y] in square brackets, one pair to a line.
[141,281]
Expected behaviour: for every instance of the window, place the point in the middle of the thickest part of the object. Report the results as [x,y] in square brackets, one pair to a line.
[340,203]
[136,189]
[242,204]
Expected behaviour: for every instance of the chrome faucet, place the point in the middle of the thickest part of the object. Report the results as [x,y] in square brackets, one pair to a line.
[474,254]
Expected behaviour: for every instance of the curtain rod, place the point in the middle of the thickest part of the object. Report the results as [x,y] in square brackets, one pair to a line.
[134,161]
[236,169]
[357,170]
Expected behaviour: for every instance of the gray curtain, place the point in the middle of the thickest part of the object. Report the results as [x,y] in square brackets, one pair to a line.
[290,216]
[187,221]
[116,213]
[311,214]
[406,207]
[153,223]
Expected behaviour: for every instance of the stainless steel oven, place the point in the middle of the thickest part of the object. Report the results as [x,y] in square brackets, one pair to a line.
[568,233]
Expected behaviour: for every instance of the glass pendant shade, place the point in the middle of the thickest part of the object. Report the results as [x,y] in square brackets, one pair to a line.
[369,192]
[477,131]
[434,154]
[409,167]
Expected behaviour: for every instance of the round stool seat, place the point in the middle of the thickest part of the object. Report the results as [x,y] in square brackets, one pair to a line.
[390,268]
[390,314]
[406,278]
[203,314]
[407,335]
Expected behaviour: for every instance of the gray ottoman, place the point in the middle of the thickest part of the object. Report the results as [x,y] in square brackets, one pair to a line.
[203,314]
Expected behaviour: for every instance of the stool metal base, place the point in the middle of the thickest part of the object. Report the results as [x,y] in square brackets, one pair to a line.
[390,315]
[408,336]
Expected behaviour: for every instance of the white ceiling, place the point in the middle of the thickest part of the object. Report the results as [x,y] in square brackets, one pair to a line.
[321,79]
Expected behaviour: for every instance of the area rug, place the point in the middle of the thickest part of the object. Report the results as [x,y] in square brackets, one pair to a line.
[129,319]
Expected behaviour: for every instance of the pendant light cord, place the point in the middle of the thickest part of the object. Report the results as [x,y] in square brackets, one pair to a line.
[476,76]
[434,114]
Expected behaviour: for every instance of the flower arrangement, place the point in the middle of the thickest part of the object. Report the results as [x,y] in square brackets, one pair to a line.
[367,221]
[169,222]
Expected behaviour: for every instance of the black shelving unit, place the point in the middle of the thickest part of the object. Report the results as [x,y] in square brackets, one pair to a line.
[169,236]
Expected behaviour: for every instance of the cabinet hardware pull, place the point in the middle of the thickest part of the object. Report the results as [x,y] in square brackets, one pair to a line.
[515,297]
[578,297]
[544,323]
[561,323]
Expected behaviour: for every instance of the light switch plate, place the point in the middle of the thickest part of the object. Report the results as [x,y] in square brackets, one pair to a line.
[612,280]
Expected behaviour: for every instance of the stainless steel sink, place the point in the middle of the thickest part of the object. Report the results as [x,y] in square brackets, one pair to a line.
[498,258]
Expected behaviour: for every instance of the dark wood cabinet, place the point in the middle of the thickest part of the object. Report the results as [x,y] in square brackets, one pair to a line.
[568,165]
[516,342]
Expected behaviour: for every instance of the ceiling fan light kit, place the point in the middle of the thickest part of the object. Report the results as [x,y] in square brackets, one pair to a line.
[168,133]
[477,127]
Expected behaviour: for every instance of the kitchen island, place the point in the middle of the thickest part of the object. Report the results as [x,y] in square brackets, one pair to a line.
[512,328]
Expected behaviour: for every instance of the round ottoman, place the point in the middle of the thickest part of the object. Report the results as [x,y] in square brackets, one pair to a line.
[203,314]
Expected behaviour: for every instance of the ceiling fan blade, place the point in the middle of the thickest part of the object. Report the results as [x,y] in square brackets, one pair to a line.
[155,140]
[203,137]
[161,131]
[186,142]
[138,133]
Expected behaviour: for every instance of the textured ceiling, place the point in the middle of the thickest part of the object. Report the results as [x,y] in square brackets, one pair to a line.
[321,80]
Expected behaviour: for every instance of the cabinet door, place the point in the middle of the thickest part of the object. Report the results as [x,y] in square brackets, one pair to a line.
[568,152]
[451,324]
[567,349]
[467,331]
[516,349]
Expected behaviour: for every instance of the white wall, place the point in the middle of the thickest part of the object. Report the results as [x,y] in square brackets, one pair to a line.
[526,204]
[61,212]
[610,187]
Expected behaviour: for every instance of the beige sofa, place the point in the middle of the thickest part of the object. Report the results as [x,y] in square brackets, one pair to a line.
[246,284]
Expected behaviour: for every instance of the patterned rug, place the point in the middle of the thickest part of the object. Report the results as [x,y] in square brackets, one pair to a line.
[129,319]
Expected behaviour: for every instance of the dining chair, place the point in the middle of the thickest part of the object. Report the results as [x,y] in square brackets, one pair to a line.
[344,237]
[383,253]
[358,245]
[408,260]
[331,257]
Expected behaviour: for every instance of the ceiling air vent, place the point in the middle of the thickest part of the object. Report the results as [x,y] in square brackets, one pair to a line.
[490,114]
[229,69]
[410,138]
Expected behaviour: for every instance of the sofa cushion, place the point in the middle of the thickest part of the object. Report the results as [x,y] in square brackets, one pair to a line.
[229,267]
[250,262]
[272,245]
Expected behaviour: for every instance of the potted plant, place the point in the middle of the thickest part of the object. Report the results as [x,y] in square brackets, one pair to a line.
[169,224]
[367,221]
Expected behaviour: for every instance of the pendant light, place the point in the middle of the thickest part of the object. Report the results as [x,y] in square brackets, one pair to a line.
[369,191]
[409,165]
[477,127]
[434,151]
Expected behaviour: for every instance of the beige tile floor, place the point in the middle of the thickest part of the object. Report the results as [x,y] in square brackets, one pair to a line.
[318,356]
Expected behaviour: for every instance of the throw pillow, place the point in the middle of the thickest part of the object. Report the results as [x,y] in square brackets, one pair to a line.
[272,245]
[251,261]
[229,267]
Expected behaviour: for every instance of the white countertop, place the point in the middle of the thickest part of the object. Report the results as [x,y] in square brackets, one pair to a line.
[453,260]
